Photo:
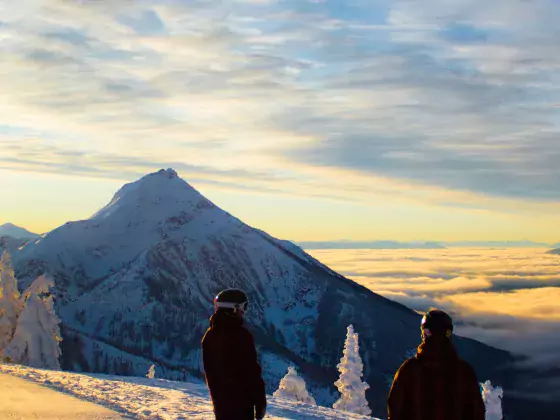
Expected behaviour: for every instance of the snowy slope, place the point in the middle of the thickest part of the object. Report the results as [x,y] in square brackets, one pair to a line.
[9,229]
[26,400]
[10,244]
[158,399]
[135,284]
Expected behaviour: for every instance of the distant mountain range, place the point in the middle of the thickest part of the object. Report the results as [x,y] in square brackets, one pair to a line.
[369,245]
[497,244]
[135,285]
[554,251]
[9,229]
[347,244]
[17,232]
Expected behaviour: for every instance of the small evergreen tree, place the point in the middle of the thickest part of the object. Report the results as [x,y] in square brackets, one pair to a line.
[350,385]
[37,336]
[292,387]
[10,305]
[492,400]
[151,372]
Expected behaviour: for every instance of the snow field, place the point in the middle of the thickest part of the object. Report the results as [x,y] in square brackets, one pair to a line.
[158,399]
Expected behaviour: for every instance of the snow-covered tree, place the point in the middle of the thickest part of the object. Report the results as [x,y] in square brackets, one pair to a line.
[37,335]
[492,400]
[292,387]
[350,385]
[10,305]
[151,372]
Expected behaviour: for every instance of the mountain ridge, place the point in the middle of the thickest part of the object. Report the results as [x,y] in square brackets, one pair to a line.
[16,232]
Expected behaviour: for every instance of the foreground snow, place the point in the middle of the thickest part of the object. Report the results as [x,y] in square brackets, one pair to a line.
[157,398]
[25,400]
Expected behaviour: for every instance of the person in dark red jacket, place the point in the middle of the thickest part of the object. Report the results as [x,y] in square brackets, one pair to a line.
[233,374]
[436,384]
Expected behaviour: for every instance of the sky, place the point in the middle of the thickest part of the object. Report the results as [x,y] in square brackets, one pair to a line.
[311,119]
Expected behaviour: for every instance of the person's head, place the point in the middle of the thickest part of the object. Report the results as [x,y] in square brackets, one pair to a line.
[437,325]
[232,302]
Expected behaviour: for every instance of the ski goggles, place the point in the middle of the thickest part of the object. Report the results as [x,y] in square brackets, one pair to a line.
[234,306]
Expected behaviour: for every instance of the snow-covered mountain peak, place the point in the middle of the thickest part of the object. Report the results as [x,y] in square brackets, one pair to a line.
[169,172]
[158,207]
[161,187]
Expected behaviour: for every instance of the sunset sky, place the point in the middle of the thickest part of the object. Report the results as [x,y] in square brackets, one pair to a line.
[311,119]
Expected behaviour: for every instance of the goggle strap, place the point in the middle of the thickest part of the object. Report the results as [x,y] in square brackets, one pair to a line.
[426,332]
[230,305]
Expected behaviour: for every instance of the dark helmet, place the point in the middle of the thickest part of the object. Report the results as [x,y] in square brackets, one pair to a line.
[437,322]
[231,299]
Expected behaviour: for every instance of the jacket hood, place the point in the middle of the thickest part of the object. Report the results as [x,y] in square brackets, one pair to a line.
[222,319]
[437,351]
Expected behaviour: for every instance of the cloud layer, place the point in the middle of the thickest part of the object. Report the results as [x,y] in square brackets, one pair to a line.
[507,298]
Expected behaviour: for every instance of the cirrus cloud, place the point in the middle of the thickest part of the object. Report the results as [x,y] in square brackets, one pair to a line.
[452,104]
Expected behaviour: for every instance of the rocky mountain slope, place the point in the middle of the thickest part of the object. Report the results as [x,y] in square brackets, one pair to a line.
[135,284]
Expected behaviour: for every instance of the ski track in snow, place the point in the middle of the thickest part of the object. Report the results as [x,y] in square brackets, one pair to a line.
[157,399]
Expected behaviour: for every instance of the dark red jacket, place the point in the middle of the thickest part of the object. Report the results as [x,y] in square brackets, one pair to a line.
[435,385]
[233,374]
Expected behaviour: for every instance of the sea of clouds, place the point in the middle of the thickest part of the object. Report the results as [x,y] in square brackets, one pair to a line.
[507,298]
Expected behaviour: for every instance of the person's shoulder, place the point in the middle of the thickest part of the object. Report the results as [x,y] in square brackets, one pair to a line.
[245,333]
[409,365]
[466,367]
